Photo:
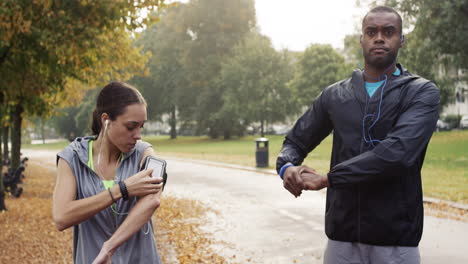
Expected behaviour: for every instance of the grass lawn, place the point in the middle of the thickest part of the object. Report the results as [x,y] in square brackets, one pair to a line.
[445,171]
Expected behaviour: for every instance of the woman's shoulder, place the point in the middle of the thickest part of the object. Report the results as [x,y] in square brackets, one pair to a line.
[141,146]
[78,148]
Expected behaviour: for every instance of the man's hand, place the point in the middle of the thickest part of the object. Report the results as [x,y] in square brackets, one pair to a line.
[314,181]
[292,179]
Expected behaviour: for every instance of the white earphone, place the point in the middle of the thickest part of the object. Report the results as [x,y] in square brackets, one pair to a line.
[100,148]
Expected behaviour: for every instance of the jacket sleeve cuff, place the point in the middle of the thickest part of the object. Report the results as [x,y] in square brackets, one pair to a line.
[331,184]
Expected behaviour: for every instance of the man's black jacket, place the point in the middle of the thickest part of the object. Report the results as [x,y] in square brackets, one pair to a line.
[375,194]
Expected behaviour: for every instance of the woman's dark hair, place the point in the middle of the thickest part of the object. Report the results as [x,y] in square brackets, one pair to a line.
[112,100]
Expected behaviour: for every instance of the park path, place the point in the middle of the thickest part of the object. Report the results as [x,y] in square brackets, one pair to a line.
[255,220]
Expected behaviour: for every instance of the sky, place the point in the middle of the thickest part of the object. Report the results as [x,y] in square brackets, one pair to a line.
[295,24]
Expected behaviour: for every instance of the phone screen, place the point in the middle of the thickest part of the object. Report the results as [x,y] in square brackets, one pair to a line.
[157,167]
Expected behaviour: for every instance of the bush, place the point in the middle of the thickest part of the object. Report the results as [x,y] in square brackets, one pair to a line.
[452,120]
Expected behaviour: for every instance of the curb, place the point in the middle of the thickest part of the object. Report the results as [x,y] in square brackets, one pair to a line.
[449,203]
[273,172]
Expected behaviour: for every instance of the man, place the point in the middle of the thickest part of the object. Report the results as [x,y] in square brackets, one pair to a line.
[382,119]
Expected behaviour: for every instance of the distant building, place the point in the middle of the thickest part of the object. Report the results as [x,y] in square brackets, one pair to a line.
[459,104]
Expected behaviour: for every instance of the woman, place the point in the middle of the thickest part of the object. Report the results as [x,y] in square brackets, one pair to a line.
[99,189]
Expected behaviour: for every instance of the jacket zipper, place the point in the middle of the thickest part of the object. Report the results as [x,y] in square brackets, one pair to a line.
[359,186]
[366,108]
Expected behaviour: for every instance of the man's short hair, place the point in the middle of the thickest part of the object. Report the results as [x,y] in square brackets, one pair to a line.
[388,10]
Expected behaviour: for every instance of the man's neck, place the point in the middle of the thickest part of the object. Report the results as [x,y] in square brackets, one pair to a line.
[372,74]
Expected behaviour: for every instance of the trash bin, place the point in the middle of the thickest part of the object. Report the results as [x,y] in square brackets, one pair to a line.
[261,152]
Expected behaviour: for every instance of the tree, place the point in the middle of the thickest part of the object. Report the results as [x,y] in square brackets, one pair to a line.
[44,45]
[435,47]
[254,81]
[353,50]
[165,87]
[444,24]
[318,67]
[47,47]
[215,27]
[2,187]
[73,121]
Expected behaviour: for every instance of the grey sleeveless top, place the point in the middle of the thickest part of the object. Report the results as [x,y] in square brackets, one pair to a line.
[89,235]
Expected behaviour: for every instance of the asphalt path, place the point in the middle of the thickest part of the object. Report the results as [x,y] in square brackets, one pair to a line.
[255,220]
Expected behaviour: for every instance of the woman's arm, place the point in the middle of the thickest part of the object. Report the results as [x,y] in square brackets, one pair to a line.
[69,212]
[139,215]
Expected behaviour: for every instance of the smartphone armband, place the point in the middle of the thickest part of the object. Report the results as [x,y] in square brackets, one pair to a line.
[158,166]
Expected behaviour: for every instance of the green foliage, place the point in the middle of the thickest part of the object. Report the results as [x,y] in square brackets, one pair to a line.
[443,24]
[46,47]
[166,85]
[65,122]
[452,120]
[74,121]
[353,50]
[188,47]
[318,67]
[435,48]
[254,81]
[215,27]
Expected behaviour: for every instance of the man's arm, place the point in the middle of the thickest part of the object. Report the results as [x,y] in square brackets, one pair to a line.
[310,129]
[402,146]
[306,134]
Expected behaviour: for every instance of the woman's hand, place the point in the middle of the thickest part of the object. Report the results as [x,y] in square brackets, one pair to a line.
[142,184]
[104,256]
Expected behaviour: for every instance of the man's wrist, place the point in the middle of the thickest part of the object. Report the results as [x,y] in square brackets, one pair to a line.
[283,169]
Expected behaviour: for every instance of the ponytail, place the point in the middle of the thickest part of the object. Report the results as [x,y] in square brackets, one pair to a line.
[96,123]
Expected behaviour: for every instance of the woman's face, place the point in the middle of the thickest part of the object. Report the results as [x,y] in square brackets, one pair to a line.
[125,130]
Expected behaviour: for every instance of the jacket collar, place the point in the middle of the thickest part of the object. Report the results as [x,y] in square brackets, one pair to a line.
[357,82]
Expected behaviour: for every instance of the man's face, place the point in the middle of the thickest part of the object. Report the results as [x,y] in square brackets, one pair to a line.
[380,39]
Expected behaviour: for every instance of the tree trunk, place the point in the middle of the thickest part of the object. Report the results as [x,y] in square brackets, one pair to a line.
[16,120]
[2,195]
[2,191]
[1,137]
[6,136]
[173,122]
[262,129]
[42,130]
[2,188]
[227,134]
